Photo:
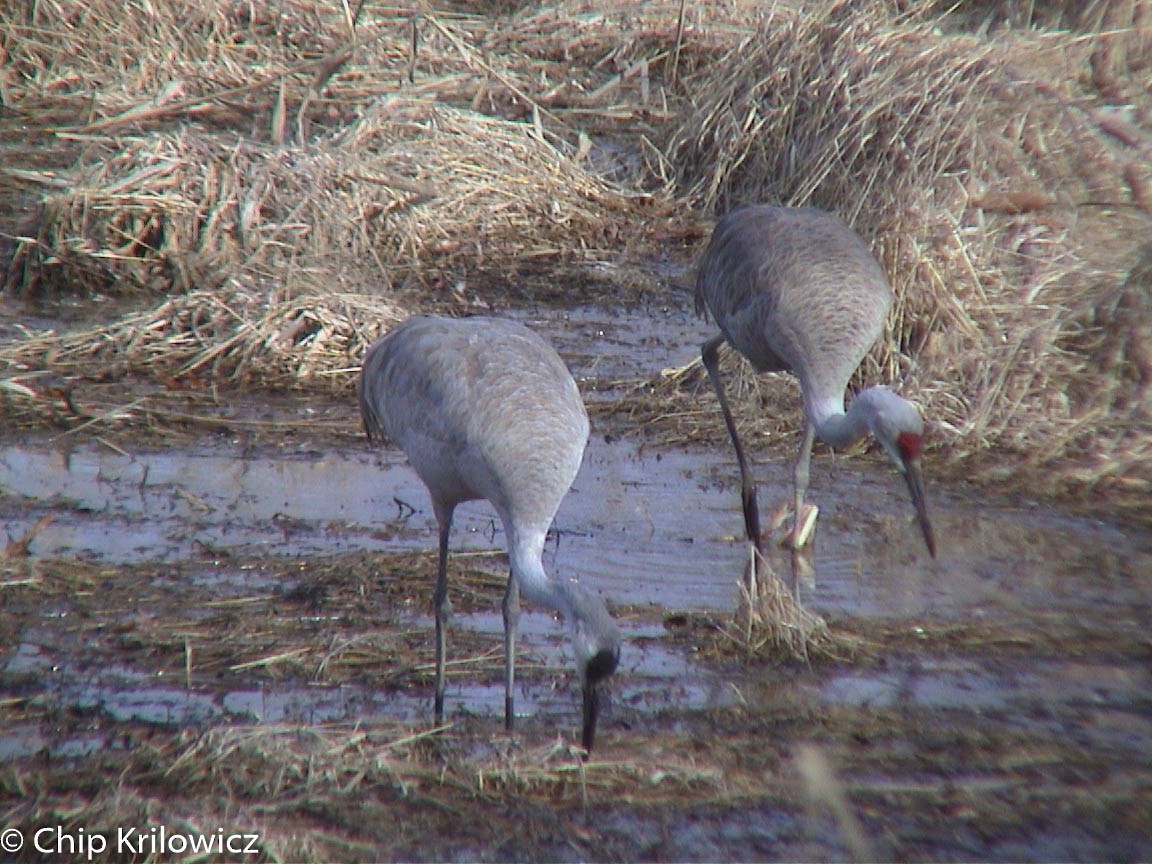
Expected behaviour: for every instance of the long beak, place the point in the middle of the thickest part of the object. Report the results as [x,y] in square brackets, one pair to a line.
[599,668]
[915,479]
[591,710]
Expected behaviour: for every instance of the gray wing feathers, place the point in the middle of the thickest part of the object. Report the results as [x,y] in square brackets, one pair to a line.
[483,407]
[794,288]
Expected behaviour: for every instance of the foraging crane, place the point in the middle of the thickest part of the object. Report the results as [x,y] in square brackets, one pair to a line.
[795,289]
[485,408]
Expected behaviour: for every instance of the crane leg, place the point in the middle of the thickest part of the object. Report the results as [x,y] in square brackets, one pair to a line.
[511,620]
[442,609]
[800,481]
[710,356]
[802,526]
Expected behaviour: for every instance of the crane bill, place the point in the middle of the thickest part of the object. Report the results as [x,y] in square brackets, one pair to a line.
[600,667]
[915,478]
[591,711]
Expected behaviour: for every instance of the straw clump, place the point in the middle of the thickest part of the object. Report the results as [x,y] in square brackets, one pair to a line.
[1001,175]
[259,235]
[412,189]
[770,620]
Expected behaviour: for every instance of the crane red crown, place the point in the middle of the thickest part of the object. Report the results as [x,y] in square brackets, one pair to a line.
[910,445]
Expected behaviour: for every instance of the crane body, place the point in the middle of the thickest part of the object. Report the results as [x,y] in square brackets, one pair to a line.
[796,289]
[485,409]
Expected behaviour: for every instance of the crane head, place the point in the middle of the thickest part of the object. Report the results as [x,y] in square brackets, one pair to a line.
[596,641]
[899,429]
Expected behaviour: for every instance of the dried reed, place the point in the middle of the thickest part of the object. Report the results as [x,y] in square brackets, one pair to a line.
[770,619]
[389,150]
[1004,211]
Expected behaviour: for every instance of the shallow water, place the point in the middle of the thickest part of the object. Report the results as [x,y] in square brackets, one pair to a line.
[655,530]
[641,526]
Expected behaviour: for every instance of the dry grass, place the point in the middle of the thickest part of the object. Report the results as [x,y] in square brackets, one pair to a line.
[279,184]
[987,182]
[1006,204]
[314,791]
[331,621]
[387,792]
[770,621]
[262,207]
[343,792]
[234,336]
[331,791]
[419,156]
[383,789]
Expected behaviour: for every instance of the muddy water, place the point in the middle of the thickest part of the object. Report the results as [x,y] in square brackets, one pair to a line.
[653,529]
[641,525]
[623,530]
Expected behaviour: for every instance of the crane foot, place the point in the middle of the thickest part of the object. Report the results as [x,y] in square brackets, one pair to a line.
[796,536]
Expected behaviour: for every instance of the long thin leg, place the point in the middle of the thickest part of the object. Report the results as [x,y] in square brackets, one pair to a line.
[511,621]
[800,481]
[710,356]
[442,608]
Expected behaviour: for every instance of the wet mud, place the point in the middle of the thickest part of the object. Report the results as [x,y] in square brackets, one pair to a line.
[997,702]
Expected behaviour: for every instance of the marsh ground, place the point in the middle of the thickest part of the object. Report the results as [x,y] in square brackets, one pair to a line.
[214,596]
[230,629]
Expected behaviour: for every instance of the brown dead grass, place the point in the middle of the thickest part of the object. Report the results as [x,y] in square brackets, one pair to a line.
[329,621]
[268,186]
[342,792]
[342,620]
[278,184]
[999,196]
[771,622]
[383,789]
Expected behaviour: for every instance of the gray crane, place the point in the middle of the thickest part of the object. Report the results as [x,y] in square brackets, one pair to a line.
[796,289]
[485,408]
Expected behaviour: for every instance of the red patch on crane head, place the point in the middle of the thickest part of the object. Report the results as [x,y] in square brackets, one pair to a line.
[910,445]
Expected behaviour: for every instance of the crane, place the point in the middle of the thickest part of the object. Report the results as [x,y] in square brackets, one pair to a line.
[485,408]
[796,289]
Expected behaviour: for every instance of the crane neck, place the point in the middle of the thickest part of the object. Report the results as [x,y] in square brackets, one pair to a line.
[525,555]
[592,628]
[839,428]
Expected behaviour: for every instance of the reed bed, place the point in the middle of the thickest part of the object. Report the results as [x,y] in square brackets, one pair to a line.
[317,792]
[275,185]
[376,784]
[1006,205]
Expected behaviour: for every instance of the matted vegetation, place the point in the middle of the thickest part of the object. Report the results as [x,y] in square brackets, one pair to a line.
[1007,199]
[387,789]
[352,164]
[219,199]
[262,166]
